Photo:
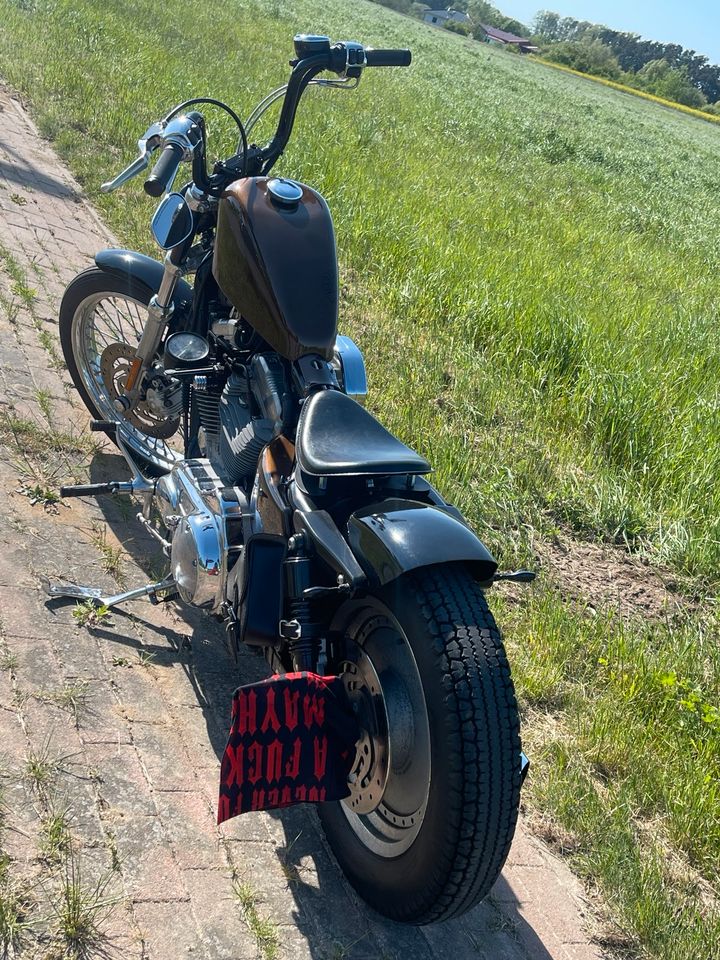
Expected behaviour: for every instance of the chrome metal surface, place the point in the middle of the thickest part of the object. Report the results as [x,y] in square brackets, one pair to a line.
[75,592]
[181,130]
[172,222]
[163,299]
[284,192]
[349,367]
[101,320]
[347,83]
[195,503]
[165,398]
[132,170]
[260,109]
[390,780]
[524,767]
[355,59]
[165,544]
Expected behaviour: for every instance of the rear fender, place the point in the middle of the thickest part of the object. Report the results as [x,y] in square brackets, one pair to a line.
[393,537]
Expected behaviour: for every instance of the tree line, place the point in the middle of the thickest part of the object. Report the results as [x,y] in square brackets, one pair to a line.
[666,70]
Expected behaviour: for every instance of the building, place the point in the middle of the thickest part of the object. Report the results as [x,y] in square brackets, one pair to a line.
[493,35]
[440,17]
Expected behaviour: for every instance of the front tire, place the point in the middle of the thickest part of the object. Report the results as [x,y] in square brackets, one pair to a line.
[102,317]
[436,842]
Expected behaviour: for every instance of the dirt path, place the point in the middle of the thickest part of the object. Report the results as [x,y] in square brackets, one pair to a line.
[112,735]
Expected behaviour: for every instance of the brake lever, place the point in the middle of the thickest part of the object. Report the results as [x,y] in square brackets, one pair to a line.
[150,141]
[136,167]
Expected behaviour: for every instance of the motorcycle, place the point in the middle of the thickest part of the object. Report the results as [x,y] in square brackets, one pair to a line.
[288,511]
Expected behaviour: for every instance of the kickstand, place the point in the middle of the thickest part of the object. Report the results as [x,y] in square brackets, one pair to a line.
[95,594]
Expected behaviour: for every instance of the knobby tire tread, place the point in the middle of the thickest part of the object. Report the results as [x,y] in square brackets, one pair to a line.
[475,778]
[484,813]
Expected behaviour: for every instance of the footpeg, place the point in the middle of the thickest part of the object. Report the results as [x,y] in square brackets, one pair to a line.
[72,591]
[104,426]
[95,489]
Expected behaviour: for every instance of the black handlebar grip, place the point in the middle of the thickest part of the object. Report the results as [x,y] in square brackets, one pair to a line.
[388,58]
[164,170]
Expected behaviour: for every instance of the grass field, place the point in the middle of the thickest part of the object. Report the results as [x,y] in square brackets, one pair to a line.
[530,266]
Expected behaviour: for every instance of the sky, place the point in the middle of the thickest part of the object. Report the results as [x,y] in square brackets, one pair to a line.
[695,23]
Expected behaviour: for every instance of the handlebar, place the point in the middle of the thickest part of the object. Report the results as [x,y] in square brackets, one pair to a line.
[163,173]
[183,137]
[388,58]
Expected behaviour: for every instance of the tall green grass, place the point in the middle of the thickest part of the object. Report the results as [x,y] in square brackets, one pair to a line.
[533,258]
[529,263]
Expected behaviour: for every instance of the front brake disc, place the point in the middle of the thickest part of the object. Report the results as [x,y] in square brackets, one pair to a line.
[115,365]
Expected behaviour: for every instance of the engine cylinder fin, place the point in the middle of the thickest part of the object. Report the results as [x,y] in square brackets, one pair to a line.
[241,449]
[208,405]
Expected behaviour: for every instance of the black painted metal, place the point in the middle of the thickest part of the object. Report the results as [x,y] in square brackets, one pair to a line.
[395,536]
[128,264]
[329,544]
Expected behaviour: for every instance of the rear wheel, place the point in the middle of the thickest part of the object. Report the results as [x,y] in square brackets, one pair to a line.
[436,785]
[101,321]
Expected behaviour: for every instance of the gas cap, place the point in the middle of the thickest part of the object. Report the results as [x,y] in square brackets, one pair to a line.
[284,193]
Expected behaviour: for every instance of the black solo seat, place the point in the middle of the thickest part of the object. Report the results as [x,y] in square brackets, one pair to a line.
[336,436]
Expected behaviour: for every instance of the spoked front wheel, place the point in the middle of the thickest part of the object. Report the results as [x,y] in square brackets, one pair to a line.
[436,785]
[101,321]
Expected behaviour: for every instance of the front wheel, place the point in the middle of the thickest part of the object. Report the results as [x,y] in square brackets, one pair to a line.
[102,317]
[436,785]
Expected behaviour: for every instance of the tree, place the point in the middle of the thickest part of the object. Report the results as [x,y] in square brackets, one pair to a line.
[587,56]
[662,80]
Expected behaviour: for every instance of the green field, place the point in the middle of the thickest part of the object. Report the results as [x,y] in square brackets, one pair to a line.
[530,265]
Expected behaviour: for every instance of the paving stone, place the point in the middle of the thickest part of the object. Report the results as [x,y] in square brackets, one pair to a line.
[224,934]
[169,931]
[146,859]
[190,822]
[166,763]
[101,719]
[121,781]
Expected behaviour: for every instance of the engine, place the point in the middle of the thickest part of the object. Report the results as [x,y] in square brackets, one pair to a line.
[203,501]
[209,522]
[240,421]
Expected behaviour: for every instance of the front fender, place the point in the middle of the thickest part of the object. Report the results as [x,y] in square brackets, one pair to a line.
[395,536]
[127,263]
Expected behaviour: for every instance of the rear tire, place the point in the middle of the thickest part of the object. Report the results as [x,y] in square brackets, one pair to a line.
[99,310]
[453,851]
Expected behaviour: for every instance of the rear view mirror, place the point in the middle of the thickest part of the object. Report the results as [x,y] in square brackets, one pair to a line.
[172,222]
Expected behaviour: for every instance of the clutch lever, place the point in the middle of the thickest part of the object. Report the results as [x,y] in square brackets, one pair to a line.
[150,141]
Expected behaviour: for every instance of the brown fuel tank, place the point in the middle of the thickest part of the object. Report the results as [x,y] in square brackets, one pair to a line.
[275,260]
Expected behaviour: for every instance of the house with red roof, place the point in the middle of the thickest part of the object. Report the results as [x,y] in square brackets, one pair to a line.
[493,35]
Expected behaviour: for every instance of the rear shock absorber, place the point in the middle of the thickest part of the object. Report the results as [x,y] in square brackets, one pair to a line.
[301,632]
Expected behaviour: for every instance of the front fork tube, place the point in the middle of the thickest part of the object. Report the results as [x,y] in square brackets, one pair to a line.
[160,310]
